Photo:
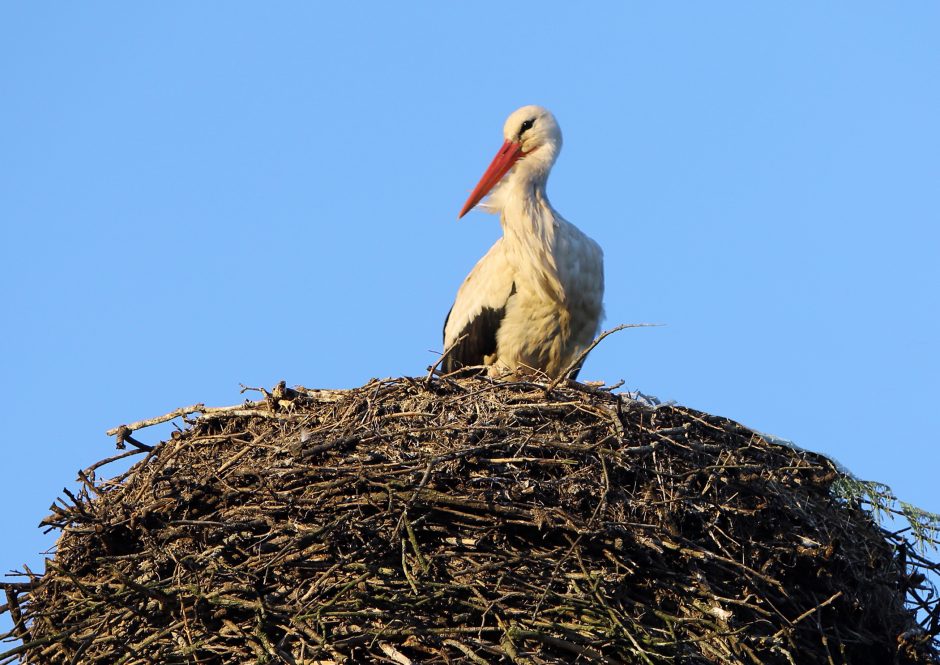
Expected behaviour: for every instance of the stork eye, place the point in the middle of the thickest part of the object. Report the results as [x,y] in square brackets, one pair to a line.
[526,126]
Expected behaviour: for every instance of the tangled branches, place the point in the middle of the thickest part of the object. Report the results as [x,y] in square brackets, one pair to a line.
[467,521]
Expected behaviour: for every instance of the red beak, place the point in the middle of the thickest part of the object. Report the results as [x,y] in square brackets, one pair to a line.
[508,155]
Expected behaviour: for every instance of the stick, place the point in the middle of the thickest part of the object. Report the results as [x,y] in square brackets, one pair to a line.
[237,410]
[124,436]
[140,424]
[113,458]
[581,356]
[394,654]
[805,614]
[444,355]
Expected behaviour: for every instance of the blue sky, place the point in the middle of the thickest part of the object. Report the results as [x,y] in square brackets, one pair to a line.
[198,195]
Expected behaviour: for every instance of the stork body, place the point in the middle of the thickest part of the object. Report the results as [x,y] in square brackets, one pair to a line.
[534,301]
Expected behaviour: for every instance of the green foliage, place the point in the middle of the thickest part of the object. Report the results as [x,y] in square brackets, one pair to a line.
[884,506]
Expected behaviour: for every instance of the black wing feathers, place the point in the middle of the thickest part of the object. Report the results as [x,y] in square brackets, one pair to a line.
[476,341]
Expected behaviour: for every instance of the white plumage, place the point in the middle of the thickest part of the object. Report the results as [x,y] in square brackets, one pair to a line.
[534,301]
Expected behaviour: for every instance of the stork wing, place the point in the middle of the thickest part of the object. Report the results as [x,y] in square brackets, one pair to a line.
[474,319]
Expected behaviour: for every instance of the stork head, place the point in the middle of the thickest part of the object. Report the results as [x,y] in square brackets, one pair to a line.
[532,143]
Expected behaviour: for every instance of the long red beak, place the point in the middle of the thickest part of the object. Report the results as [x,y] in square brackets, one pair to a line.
[508,155]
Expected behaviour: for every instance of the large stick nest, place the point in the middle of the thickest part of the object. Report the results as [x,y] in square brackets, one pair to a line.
[467,521]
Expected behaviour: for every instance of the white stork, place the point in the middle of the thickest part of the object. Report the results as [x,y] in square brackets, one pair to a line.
[534,301]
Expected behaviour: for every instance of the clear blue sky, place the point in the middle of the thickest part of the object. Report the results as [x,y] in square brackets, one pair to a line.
[195,195]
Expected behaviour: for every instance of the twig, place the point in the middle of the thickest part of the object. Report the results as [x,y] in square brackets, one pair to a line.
[140,424]
[124,436]
[450,349]
[252,409]
[113,458]
[467,651]
[805,614]
[394,654]
[581,356]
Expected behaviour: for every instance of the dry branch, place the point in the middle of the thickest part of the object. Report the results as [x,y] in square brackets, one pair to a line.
[600,338]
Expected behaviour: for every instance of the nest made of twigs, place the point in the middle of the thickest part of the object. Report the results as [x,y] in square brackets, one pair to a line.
[466,521]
